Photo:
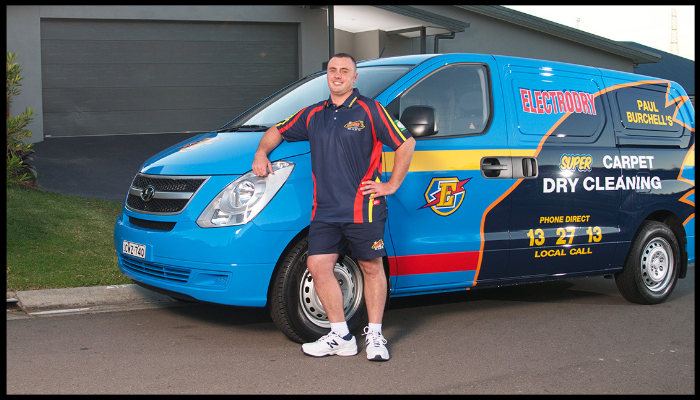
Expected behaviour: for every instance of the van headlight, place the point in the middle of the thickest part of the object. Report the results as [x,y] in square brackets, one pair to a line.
[245,197]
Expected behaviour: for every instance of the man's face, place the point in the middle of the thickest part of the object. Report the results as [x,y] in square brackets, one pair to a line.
[341,75]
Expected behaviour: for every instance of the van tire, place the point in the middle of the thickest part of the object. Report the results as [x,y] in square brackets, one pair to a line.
[651,270]
[293,303]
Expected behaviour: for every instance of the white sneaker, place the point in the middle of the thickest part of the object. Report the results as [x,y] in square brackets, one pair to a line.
[331,345]
[376,349]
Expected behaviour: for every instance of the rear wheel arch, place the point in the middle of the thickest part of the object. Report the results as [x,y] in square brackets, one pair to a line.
[676,225]
[652,265]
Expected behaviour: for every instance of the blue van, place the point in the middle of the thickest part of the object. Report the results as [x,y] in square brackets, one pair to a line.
[524,170]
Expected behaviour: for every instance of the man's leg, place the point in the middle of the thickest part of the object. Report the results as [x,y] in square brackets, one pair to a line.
[327,288]
[375,299]
[375,288]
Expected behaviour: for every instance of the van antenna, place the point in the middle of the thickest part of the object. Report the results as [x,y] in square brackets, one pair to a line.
[380,54]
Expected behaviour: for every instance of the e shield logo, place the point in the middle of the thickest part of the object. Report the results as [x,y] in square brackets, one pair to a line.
[445,195]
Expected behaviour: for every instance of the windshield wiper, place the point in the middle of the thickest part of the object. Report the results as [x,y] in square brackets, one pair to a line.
[245,128]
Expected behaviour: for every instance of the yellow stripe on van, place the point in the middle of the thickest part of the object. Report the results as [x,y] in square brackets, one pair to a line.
[452,160]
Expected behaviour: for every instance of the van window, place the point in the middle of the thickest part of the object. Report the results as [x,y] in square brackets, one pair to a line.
[643,112]
[582,126]
[460,95]
[370,82]
[541,103]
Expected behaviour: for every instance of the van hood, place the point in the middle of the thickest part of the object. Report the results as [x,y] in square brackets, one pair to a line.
[222,153]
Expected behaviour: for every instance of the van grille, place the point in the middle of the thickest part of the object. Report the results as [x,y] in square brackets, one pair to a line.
[159,194]
[167,184]
[135,203]
[153,270]
[154,225]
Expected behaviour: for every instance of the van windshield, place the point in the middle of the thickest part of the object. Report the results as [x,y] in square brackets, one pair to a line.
[370,82]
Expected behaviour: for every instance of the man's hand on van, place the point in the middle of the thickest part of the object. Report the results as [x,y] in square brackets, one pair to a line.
[262,165]
[271,139]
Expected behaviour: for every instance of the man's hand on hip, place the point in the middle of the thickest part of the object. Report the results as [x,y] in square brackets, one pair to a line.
[377,189]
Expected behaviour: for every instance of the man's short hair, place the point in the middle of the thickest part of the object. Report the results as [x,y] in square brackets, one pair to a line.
[346,55]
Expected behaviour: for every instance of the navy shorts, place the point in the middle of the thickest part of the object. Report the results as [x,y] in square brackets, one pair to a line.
[363,241]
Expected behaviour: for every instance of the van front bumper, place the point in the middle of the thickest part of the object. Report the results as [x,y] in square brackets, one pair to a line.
[232,265]
[240,285]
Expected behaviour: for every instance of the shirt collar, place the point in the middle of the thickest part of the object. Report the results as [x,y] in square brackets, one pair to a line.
[349,102]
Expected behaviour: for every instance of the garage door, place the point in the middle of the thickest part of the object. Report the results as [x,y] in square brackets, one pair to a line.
[121,77]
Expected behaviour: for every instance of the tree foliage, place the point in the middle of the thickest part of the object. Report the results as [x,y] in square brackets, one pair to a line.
[18,149]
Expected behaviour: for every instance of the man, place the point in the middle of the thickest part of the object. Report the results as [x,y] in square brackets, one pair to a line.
[346,133]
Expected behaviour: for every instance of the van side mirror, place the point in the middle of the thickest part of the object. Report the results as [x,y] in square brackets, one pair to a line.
[420,121]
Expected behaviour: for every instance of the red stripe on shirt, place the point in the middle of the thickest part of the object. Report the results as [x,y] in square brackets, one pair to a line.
[313,208]
[375,161]
[315,110]
[374,165]
[289,125]
[388,126]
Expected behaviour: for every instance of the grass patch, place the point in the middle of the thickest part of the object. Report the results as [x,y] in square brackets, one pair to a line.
[59,241]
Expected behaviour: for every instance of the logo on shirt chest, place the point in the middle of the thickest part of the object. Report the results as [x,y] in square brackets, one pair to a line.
[355,125]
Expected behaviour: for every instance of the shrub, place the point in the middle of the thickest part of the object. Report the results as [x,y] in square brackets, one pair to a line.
[18,150]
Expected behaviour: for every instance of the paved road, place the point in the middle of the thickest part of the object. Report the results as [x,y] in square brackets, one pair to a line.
[576,336]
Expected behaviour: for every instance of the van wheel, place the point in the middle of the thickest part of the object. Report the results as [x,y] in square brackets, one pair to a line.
[651,269]
[294,305]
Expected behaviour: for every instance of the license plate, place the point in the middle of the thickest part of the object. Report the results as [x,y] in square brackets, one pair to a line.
[134,249]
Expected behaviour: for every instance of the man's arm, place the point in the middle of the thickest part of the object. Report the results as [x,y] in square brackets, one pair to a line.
[402,160]
[270,140]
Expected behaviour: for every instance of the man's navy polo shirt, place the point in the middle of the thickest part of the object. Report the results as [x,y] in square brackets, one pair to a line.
[346,149]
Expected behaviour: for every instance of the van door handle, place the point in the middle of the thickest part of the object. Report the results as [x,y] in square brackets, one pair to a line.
[525,167]
[496,167]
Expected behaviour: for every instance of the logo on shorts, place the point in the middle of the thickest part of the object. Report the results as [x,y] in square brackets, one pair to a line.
[355,125]
[445,195]
[378,244]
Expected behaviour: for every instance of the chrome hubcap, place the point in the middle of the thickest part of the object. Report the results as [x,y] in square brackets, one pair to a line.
[657,264]
[349,278]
